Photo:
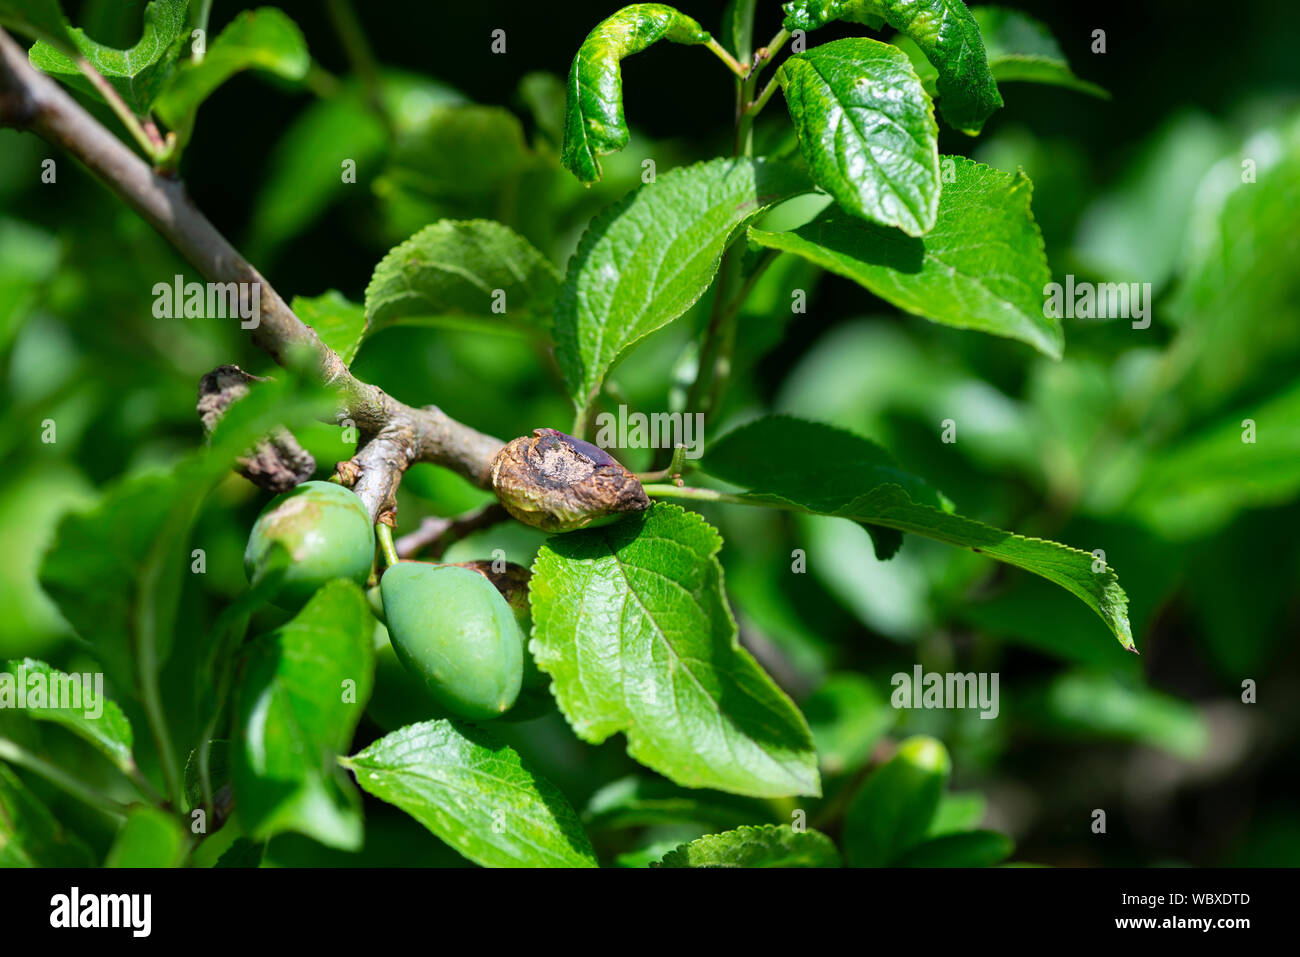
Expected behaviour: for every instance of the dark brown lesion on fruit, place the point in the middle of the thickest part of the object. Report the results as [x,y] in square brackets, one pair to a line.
[277,463]
[558,483]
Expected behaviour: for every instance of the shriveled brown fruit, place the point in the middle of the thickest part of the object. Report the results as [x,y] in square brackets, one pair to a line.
[557,483]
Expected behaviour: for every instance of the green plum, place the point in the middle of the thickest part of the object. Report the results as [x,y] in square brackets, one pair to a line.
[318,531]
[451,626]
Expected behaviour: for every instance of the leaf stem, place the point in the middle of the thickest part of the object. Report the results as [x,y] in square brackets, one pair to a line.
[199,13]
[732,63]
[674,467]
[695,494]
[385,536]
[757,106]
[766,54]
[353,38]
[143,785]
[13,752]
[154,147]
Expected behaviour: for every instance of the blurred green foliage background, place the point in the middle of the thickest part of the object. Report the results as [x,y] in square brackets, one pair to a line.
[1131,444]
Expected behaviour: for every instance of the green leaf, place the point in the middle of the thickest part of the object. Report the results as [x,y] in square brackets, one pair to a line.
[543,94]
[42,19]
[149,838]
[1135,231]
[1195,485]
[29,834]
[457,162]
[738,29]
[944,30]
[769,845]
[982,267]
[452,271]
[848,716]
[303,691]
[94,718]
[867,130]
[243,853]
[1022,49]
[648,258]
[594,123]
[264,39]
[218,771]
[29,258]
[809,15]
[138,73]
[636,801]
[304,173]
[1080,705]
[892,811]
[631,623]
[476,794]
[958,811]
[967,849]
[116,569]
[339,322]
[815,468]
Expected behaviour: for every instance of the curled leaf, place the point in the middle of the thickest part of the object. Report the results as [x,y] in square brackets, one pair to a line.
[594,123]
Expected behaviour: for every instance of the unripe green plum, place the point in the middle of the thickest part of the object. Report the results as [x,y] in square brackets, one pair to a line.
[451,627]
[324,532]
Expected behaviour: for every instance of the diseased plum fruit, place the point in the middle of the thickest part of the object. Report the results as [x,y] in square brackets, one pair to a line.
[317,531]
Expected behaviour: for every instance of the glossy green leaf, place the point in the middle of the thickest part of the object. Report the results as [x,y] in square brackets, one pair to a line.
[967,849]
[303,690]
[476,794]
[944,30]
[477,271]
[42,19]
[340,323]
[647,259]
[769,845]
[771,458]
[892,811]
[982,267]
[139,73]
[631,623]
[29,834]
[94,718]
[813,14]
[867,130]
[149,838]
[594,123]
[264,39]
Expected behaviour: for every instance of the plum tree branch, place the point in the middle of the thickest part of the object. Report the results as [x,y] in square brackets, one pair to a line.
[393,434]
